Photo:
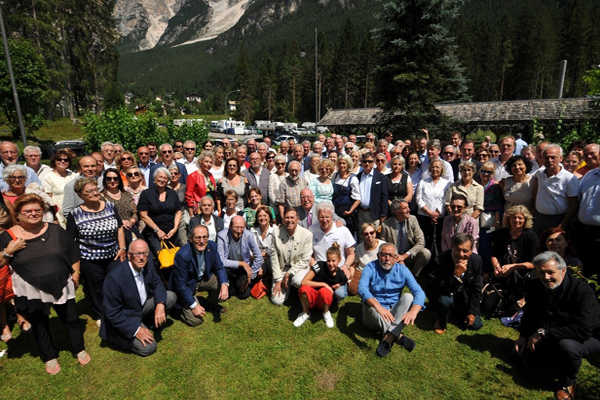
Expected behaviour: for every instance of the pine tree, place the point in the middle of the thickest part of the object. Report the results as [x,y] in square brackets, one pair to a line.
[418,65]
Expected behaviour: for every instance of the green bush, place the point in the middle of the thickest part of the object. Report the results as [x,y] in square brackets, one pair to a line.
[132,131]
[479,135]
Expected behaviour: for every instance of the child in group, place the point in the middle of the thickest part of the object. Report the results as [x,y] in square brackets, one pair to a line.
[320,284]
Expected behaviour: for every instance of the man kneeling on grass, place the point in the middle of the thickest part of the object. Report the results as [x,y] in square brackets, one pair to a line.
[560,324]
[320,284]
[134,298]
[384,307]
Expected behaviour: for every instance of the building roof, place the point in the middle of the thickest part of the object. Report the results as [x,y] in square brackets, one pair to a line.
[492,111]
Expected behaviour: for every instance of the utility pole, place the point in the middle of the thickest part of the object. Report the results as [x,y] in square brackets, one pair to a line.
[316,79]
[563,71]
[12,79]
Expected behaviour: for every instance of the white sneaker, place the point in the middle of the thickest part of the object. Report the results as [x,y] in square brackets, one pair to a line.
[301,319]
[328,319]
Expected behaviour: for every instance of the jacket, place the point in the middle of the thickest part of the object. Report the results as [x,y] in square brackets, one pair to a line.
[414,234]
[184,277]
[379,194]
[251,253]
[298,258]
[121,302]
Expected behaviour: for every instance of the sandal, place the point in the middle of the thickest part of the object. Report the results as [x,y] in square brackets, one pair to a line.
[52,367]
[24,325]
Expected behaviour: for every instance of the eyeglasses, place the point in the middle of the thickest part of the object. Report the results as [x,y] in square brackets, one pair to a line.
[132,174]
[17,178]
[369,233]
[126,159]
[31,212]
[143,153]
[232,166]
[279,163]
[368,161]
[62,160]
[166,151]
[494,151]
[174,172]
[457,207]
[486,172]
[380,161]
[139,254]
[203,237]
[112,179]
[449,153]
[88,192]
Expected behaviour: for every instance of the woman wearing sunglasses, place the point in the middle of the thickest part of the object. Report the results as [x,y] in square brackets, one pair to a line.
[54,181]
[115,192]
[124,161]
[137,183]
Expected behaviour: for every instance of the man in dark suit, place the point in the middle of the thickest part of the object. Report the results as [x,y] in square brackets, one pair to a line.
[134,298]
[373,192]
[456,288]
[198,267]
[167,156]
[207,218]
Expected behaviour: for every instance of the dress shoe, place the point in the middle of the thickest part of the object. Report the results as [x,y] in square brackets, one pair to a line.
[565,393]
[437,328]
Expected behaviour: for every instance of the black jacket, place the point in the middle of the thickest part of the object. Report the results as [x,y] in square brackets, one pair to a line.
[571,311]
[468,287]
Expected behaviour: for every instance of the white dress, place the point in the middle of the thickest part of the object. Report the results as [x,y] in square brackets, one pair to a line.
[54,185]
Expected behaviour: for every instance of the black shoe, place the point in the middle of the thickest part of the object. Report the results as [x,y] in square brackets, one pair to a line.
[384,348]
[406,342]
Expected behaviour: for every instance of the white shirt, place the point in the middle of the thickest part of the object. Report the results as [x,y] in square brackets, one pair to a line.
[146,172]
[589,198]
[217,172]
[256,175]
[553,192]
[139,283]
[190,166]
[431,195]
[265,244]
[210,225]
[323,241]
[499,172]
[365,189]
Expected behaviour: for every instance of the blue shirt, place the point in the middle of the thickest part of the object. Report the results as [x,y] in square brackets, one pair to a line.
[387,286]
[32,177]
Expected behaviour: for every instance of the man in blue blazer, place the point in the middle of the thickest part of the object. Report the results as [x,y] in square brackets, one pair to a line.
[373,192]
[134,298]
[241,257]
[198,267]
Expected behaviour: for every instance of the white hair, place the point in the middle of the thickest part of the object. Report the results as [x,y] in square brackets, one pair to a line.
[11,169]
[163,170]
[325,206]
[547,256]
[32,149]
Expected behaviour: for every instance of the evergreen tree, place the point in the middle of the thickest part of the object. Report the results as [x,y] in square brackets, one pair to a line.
[418,64]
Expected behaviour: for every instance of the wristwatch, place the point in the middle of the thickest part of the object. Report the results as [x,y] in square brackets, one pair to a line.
[541,332]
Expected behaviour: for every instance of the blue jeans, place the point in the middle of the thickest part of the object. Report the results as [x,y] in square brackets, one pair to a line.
[341,292]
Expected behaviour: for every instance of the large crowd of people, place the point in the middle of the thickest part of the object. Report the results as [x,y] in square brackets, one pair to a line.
[472,230]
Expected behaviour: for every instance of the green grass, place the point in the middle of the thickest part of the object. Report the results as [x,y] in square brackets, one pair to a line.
[62,129]
[256,353]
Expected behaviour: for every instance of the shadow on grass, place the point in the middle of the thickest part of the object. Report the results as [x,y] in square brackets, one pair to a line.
[502,349]
[26,343]
[355,330]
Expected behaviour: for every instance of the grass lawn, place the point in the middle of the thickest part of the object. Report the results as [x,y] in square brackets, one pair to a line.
[256,353]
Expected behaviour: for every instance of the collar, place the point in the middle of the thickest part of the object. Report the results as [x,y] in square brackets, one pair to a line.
[133,271]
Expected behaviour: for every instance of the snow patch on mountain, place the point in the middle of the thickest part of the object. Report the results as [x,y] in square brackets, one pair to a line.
[223,16]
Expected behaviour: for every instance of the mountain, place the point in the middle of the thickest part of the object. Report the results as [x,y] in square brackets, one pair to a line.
[188,45]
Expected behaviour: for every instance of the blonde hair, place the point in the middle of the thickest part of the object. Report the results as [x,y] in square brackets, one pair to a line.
[519,209]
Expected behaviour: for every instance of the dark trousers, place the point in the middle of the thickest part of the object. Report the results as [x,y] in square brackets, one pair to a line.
[94,272]
[238,283]
[432,233]
[588,243]
[448,305]
[563,358]
[40,324]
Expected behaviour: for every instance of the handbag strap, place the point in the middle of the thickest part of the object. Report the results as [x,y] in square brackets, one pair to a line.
[12,235]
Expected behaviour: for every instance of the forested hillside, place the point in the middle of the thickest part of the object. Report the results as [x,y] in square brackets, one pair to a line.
[511,49]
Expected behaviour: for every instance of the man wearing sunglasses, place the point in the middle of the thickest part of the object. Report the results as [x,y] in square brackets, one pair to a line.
[189,160]
[144,162]
[373,192]
[167,157]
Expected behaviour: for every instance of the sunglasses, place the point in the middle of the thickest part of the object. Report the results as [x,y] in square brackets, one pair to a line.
[62,159]
[486,172]
[166,151]
[112,179]
[126,159]
[369,233]
[189,148]
[132,174]
[368,161]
